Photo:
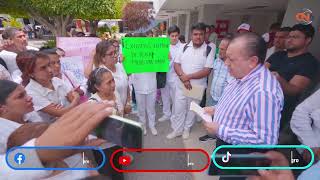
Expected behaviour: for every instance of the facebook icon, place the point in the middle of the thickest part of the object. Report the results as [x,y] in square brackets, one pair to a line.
[19,158]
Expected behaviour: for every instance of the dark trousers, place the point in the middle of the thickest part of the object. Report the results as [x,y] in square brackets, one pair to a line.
[107,169]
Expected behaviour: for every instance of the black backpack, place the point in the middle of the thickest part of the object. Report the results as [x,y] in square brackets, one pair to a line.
[208,50]
[3,63]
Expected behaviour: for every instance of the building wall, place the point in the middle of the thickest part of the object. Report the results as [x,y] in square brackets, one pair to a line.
[294,7]
[182,23]
[260,23]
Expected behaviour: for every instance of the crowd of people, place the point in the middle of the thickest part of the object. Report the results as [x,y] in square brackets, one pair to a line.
[254,82]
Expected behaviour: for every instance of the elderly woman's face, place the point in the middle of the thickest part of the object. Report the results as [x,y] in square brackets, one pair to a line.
[107,86]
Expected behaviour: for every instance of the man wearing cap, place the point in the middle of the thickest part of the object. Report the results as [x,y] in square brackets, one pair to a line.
[243,28]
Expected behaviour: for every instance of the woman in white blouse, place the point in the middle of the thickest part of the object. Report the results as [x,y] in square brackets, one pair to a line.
[101,85]
[51,97]
[106,56]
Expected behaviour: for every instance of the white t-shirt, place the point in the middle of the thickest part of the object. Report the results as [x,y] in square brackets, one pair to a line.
[7,127]
[74,161]
[194,60]
[6,173]
[4,73]
[42,97]
[172,76]
[270,51]
[10,60]
[97,98]
[144,83]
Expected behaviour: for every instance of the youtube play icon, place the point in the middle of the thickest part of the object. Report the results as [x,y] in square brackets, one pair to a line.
[125,160]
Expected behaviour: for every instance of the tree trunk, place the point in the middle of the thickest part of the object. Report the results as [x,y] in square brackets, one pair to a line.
[57,25]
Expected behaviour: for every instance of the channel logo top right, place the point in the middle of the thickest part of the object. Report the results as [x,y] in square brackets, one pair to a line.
[305,16]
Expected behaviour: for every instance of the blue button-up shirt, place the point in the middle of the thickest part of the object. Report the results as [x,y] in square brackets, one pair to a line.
[221,78]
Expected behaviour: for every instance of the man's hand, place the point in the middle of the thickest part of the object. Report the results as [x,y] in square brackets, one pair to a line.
[209,110]
[71,129]
[79,91]
[73,96]
[184,78]
[187,85]
[277,159]
[127,109]
[211,127]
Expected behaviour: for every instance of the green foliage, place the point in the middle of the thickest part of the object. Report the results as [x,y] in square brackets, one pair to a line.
[114,29]
[102,30]
[85,9]
[50,43]
[13,23]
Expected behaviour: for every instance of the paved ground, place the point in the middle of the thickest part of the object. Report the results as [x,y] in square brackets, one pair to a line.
[176,160]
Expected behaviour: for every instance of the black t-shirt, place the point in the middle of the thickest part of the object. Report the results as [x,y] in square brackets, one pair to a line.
[287,67]
[304,65]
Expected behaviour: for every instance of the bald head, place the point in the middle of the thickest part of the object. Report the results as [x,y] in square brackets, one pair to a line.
[245,52]
[252,45]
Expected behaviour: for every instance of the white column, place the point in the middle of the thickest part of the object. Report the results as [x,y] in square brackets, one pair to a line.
[201,15]
[187,27]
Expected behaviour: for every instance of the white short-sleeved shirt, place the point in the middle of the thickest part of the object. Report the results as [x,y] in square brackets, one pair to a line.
[144,83]
[6,173]
[10,60]
[96,97]
[174,51]
[42,97]
[4,73]
[7,127]
[194,60]
[74,161]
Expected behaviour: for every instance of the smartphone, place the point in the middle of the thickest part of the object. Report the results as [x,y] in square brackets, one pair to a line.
[121,131]
[238,160]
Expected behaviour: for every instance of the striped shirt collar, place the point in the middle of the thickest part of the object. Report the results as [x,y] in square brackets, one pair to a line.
[256,71]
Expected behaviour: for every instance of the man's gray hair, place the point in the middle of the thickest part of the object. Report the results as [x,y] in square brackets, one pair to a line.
[254,45]
[10,32]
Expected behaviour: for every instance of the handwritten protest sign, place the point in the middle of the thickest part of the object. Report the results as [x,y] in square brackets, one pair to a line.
[145,54]
[78,46]
[78,53]
[74,64]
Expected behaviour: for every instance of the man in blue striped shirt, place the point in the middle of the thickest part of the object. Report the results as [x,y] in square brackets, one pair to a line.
[249,110]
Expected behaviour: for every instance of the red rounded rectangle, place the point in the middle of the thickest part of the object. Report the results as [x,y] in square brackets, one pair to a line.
[161,150]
